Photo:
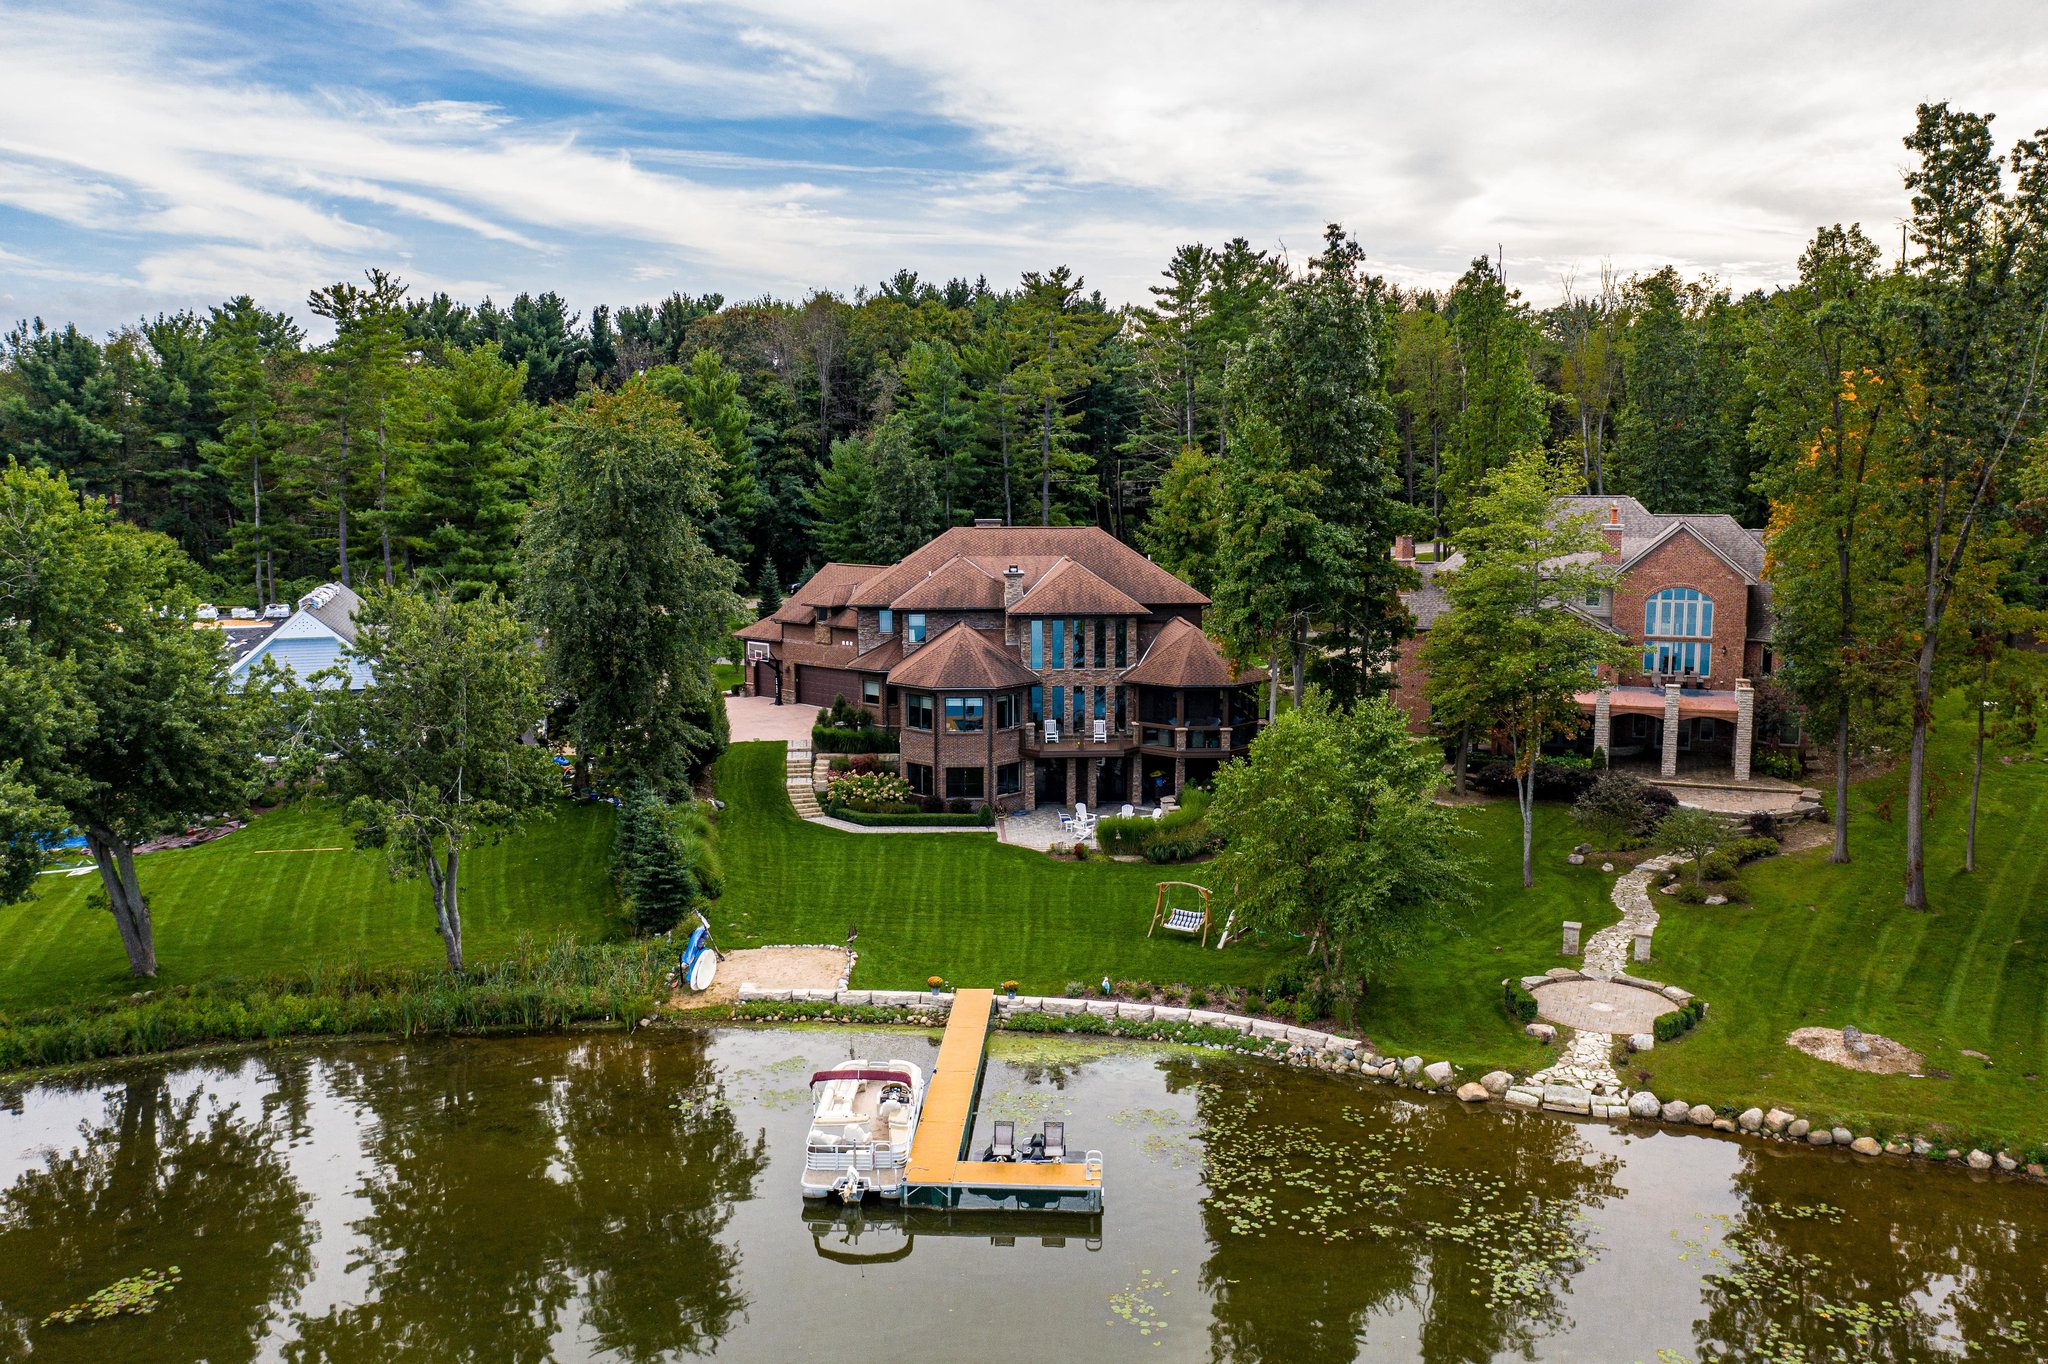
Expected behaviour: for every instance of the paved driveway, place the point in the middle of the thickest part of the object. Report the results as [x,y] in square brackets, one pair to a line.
[758,717]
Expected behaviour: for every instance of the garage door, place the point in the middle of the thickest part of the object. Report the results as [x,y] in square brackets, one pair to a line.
[764,680]
[818,686]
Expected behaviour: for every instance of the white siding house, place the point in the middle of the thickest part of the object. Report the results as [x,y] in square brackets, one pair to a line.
[312,638]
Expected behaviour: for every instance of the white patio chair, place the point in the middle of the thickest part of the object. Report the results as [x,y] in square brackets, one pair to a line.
[1101,734]
[1159,812]
[1127,811]
[1052,731]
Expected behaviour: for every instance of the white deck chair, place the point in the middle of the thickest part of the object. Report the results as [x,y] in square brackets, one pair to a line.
[1159,812]
[1128,811]
[1052,731]
[1101,734]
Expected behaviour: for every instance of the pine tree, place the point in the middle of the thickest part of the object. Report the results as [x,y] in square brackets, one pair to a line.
[842,503]
[768,588]
[709,394]
[1503,412]
[468,431]
[254,355]
[359,375]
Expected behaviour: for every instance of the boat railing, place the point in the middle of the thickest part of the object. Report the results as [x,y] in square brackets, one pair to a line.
[880,1155]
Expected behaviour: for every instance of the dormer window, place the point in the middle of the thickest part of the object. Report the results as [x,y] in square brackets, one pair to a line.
[913,624]
[885,621]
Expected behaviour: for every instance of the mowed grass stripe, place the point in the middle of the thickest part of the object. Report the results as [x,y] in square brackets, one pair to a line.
[1967,974]
[220,909]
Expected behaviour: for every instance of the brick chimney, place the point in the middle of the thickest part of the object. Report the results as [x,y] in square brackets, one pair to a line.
[1013,586]
[1612,530]
[1404,549]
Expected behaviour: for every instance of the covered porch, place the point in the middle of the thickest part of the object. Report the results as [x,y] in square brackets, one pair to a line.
[1676,728]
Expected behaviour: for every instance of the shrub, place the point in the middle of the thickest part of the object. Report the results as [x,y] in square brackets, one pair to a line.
[1563,778]
[1676,1024]
[873,792]
[1178,845]
[1287,981]
[871,739]
[1520,1004]
[1746,850]
[911,819]
[1198,998]
[1075,989]
[1786,764]
[1619,809]
[1717,866]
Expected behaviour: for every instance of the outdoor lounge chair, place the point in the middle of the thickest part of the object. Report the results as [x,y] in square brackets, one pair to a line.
[1055,1141]
[1003,1144]
[1101,732]
[1159,812]
[1052,731]
[1128,811]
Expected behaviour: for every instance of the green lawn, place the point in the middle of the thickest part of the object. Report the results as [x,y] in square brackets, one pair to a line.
[246,905]
[1827,945]
[977,912]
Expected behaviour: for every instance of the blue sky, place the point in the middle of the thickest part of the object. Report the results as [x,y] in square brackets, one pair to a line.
[169,155]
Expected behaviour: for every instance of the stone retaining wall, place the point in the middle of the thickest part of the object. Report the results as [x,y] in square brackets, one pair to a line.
[1310,1049]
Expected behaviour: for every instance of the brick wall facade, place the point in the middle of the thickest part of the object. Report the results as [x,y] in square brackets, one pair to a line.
[1682,561]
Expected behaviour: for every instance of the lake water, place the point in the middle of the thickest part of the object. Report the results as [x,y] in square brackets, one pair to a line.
[635,1198]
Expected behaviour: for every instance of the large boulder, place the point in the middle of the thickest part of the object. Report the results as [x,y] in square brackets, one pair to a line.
[1777,1119]
[1497,1081]
[1979,1160]
[1797,1129]
[1678,1110]
[1750,1119]
[1700,1115]
[1644,1105]
[1820,1136]
[1472,1092]
[1865,1146]
[1641,1041]
[1542,1032]
[1438,1073]
[1411,1066]
[1842,1135]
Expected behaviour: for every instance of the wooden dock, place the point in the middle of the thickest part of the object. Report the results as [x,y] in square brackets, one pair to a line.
[941,1175]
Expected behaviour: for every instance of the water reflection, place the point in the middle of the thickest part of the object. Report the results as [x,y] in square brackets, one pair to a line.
[163,1178]
[599,1174]
[879,1233]
[636,1199]
[1322,1218]
[1835,1258]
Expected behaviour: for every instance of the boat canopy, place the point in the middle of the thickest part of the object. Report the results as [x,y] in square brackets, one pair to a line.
[862,1073]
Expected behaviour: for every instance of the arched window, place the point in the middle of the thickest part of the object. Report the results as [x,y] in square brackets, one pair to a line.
[1678,629]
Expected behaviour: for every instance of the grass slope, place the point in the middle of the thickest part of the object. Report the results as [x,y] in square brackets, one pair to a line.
[1826,945]
[977,912]
[960,906]
[245,905]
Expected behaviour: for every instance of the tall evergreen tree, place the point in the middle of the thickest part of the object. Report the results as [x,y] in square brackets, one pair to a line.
[1315,373]
[1056,336]
[470,476]
[1504,410]
[708,392]
[359,375]
[254,354]
[1677,441]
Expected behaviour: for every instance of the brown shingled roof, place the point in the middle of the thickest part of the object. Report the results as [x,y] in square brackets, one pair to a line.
[767,628]
[1037,550]
[1070,589]
[1183,656]
[956,585]
[962,659]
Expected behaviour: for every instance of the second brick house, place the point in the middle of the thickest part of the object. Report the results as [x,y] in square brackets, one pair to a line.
[1690,594]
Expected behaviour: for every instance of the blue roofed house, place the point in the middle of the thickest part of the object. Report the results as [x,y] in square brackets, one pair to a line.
[311,639]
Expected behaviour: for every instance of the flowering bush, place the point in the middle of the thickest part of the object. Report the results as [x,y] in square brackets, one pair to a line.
[873,792]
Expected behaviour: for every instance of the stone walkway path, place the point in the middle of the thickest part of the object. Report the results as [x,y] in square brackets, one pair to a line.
[1607,951]
[1586,1058]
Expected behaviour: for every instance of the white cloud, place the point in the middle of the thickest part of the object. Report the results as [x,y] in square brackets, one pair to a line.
[779,144]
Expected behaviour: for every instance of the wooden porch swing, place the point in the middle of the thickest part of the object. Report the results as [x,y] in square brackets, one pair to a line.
[1180,920]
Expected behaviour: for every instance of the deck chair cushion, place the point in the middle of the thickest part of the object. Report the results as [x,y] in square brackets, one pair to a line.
[1184,920]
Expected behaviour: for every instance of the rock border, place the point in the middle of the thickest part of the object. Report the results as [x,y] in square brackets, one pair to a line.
[1308,1048]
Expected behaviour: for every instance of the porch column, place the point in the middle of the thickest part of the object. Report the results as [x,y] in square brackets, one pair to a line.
[1603,724]
[1073,785]
[1094,779]
[1134,777]
[1745,726]
[1669,767]
[1030,783]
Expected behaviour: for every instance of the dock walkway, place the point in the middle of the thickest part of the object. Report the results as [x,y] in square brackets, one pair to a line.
[941,1175]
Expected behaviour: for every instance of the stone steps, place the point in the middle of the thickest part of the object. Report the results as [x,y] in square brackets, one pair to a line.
[803,796]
